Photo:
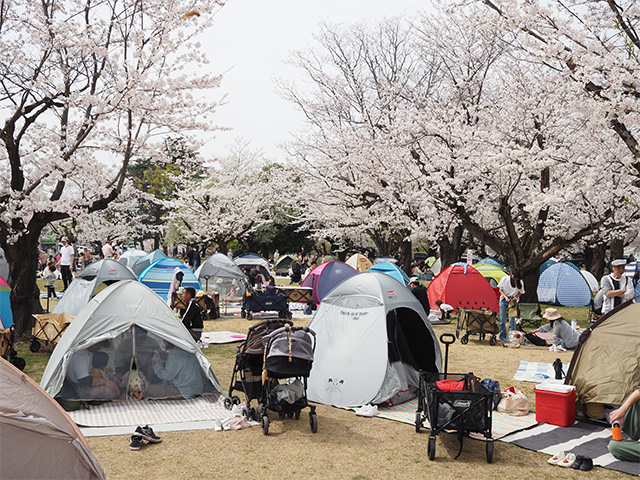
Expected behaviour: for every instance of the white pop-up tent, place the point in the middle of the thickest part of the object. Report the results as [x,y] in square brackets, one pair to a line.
[133,329]
[130,257]
[372,338]
[37,437]
[81,289]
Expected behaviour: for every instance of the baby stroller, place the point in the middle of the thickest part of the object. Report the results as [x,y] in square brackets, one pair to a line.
[247,371]
[477,322]
[454,402]
[288,354]
[7,350]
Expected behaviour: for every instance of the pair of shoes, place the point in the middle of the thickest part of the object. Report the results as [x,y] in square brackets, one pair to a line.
[148,434]
[557,458]
[135,442]
[582,463]
[239,410]
[567,461]
[217,424]
[367,410]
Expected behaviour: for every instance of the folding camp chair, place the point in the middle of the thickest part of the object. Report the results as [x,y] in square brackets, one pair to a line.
[530,315]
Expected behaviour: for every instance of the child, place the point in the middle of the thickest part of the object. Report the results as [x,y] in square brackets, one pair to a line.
[445,310]
[99,368]
[51,282]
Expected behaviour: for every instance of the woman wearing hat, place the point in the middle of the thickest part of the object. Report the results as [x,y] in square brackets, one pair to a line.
[564,335]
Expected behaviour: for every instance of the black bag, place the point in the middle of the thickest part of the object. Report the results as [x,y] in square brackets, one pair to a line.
[535,340]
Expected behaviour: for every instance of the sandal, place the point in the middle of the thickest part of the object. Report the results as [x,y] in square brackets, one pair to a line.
[568,460]
[558,457]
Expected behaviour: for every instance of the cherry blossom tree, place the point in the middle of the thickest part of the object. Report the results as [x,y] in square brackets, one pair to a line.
[87,87]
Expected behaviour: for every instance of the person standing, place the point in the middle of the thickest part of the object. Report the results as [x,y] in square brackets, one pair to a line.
[196,257]
[192,317]
[420,292]
[276,257]
[66,261]
[107,250]
[511,289]
[617,287]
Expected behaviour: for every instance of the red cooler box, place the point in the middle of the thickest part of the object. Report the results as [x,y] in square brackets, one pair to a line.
[555,404]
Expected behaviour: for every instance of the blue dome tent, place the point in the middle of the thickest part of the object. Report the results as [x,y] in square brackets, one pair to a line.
[393,270]
[158,276]
[563,284]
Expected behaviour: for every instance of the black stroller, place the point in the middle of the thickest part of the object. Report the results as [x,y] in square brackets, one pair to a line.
[454,402]
[247,371]
[288,354]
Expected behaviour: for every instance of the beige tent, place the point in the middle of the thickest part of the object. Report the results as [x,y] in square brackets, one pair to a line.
[359,262]
[37,437]
[605,368]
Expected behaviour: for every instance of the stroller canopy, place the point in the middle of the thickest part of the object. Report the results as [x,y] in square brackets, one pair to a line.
[393,270]
[143,262]
[373,337]
[326,276]
[563,284]
[220,273]
[130,325]
[81,289]
[38,438]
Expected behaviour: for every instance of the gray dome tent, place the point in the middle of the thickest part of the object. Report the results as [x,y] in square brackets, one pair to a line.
[220,273]
[372,338]
[136,325]
[84,284]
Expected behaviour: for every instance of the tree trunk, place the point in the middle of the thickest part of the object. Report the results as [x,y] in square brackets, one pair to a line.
[405,256]
[530,277]
[451,248]
[25,295]
[617,249]
[594,258]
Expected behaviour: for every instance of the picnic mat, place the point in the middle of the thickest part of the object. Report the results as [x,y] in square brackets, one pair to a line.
[222,337]
[502,424]
[538,372]
[132,412]
[580,438]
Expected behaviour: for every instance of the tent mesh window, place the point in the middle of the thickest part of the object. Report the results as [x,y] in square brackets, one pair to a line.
[408,336]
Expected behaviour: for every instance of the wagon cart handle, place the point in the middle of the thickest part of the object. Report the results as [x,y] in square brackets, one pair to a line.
[447,339]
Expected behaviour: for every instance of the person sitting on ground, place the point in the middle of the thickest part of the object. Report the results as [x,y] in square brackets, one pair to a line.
[51,282]
[628,415]
[192,318]
[420,292]
[99,368]
[564,335]
[85,385]
[180,370]
[445,310]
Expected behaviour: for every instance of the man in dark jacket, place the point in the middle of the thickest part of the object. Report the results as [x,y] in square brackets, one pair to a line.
[192,318]
[420,293]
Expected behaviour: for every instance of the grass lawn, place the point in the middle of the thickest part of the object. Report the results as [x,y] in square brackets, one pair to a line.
[345,446]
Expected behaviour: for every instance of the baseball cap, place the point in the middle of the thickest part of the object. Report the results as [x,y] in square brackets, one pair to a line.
[619,262]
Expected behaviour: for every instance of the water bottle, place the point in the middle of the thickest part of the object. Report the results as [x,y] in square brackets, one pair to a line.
[616,431]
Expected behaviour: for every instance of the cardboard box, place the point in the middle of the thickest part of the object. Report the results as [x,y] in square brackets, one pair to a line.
[555,404]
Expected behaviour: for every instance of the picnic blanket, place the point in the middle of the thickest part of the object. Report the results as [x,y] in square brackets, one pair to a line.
[502,424]
[581,438]
[132,412]
[222,337]
[538,372]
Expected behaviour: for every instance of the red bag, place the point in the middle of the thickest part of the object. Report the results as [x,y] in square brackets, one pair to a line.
[450,385]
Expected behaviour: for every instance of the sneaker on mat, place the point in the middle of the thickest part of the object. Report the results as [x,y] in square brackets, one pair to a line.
[147,433]
[367,410]
[226,423]
[135,442]
[557,458]
[568,460]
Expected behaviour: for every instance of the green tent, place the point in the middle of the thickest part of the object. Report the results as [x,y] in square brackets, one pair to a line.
[284,263]
[492,273]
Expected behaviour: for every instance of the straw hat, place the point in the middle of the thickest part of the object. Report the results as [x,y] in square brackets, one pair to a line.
[551,314]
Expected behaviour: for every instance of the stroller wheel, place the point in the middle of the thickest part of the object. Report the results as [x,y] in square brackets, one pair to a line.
[249,316]
[464,340]
[297,414]
[265,425]
[290,414]
[34,346]
[489,451]
[492,340]
[313,422]
[253,414]
[228,403]
[289,315]
[418,422]
[280,415]
[236,400]
[431,449]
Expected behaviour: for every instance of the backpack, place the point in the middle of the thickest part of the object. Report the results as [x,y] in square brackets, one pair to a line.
[494,387]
